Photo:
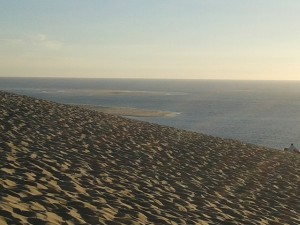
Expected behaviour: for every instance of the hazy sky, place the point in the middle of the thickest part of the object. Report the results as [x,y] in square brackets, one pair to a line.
[203,39]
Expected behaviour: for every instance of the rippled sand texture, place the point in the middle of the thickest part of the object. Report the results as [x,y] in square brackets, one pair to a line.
[67,165]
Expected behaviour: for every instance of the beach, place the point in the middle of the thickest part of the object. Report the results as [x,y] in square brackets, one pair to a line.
[65,164]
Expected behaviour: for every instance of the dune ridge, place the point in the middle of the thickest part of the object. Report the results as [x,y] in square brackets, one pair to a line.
[63,164]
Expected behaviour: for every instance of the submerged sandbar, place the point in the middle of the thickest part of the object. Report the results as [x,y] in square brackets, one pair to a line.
[133,112]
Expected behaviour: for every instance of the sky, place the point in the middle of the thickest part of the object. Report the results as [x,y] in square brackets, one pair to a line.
[169,39]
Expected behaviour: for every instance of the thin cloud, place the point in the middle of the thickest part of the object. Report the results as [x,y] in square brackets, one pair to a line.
[11,41]
[40,40]
[43,41]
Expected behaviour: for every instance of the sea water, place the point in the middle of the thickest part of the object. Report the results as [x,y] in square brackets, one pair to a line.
[260,112]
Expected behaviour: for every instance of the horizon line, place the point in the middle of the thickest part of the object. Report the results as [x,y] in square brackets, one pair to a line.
[140,78]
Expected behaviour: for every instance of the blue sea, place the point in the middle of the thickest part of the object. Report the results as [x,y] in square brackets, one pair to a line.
[265,113]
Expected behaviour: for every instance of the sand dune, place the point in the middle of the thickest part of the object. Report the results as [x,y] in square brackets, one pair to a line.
[63,164]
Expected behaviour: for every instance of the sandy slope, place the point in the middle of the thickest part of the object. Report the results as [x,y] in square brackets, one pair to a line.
[67,165]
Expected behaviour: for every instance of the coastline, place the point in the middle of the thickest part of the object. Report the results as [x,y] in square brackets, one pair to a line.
[243,114]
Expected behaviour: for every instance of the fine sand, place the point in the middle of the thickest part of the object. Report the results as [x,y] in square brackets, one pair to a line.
[63,164]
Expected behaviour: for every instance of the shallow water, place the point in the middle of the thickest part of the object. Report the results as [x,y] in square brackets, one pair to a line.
[259,112]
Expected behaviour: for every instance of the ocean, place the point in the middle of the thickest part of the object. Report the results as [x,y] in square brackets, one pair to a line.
[265,113]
